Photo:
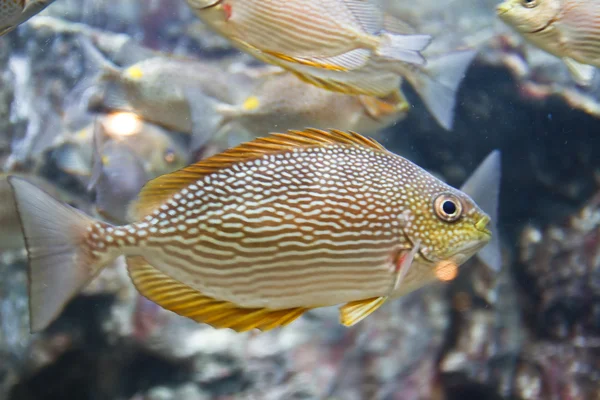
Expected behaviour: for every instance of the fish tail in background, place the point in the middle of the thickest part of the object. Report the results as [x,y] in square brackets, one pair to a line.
[438,81]
[206,121]
[405,48]
[61,261]
[483,186]
[98,70]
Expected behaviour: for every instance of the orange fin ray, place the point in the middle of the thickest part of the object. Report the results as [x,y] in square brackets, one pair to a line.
[355,311]
[185,301]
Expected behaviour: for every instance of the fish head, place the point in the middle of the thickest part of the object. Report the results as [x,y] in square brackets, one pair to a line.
[529,16]
[199,5]
[450,226]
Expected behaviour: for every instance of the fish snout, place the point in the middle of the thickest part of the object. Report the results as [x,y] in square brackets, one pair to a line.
[482,224]
[503,8]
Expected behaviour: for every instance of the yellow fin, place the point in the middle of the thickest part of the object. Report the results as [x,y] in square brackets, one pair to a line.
[354,312]
[378,108]
[183,300]
[159,190]
[304,61]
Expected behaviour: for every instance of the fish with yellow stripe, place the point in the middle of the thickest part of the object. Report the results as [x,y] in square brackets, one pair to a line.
[347,46]
[253,237]
[567,29]
[15,12]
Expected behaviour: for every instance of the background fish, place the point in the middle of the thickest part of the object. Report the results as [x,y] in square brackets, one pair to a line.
[284,101]
[357,71]
[328,34]
[159,151]
[117,177]
[178,94]
[257,235]
[14,12]
[568,29]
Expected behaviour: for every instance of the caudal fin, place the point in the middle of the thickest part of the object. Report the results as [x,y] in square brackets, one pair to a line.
[483,186]
[437,83]
[405,48]
[60,264]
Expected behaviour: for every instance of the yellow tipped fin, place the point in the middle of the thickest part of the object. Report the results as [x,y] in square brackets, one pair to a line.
[354,312]
[159,190]
[185,301]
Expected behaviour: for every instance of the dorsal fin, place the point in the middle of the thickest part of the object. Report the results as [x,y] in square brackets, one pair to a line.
[159,190]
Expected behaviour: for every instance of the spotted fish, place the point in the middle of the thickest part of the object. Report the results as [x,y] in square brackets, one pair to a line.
[257,235]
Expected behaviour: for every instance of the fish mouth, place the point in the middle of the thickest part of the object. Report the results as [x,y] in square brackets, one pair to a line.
[482,224]
[503,8]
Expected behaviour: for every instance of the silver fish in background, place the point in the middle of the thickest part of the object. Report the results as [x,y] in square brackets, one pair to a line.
[157,149]
[316,40]
[261,233]
[15,12]
[117,176]
[178,94]
[284,101]
[568,29]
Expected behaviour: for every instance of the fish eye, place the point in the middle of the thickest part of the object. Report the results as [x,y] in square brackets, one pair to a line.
[447,207]
[530,3]
[169,156]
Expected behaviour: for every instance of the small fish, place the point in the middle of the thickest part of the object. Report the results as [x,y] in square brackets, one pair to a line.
[15,12]
[178,94]
[118,175]
[335,35]
[284,101]
[156,148]
[305,47]
[566,29]
[257,235]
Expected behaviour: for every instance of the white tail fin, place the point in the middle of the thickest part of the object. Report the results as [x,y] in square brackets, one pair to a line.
[405,48]
[59,262]
[437,83]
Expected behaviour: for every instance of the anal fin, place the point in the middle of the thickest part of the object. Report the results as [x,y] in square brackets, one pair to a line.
[355,311]
[185,301]
[583,74]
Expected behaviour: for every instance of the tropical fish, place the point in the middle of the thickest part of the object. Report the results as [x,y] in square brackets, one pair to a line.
[117,177]
[257,235]
[284,101]
[317,41]
[178,94]
[157,149]
[336,35]
[14,12]
[566,29]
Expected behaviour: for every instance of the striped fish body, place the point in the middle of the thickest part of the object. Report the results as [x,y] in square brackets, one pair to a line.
[255,236]
[300,28]
[307,228]
[320,41]
[568,29]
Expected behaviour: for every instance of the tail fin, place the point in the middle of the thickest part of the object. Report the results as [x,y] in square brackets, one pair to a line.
[59,262]
[405,48]
[437,83]
[483,186]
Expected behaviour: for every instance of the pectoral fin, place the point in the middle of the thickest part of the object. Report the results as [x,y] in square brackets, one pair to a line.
[354,312]
[188,302]
[582,73]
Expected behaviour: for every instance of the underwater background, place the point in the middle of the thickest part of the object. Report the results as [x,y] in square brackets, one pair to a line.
[528,331]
